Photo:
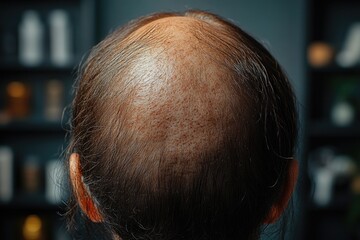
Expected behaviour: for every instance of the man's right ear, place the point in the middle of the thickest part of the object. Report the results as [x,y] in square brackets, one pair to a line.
[82,195]
[279,207]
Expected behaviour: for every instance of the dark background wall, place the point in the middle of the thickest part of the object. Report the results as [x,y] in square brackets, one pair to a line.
[278,24]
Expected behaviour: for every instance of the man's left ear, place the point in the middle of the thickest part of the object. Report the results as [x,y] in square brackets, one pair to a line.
[279,207]
[81,192]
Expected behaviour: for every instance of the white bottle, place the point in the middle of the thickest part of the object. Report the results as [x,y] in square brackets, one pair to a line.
[54,181]
[60,38]
[343,114]
[350,54]
[6,174]
[31,39]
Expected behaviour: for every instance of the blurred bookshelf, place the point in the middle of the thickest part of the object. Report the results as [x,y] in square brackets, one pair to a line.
[41,44]
[332,143]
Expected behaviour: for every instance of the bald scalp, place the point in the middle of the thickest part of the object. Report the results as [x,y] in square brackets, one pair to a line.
[180,99]
[175,98]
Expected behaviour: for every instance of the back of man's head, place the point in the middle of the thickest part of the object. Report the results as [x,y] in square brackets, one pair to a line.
[184,125]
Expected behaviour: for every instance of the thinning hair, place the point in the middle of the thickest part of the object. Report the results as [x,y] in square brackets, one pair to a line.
[184,125]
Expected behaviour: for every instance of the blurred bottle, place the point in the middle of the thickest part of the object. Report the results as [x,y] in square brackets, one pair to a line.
[32,228]
[350,54]
[320,54]
[60,38]
[54,181]
[54,100]
[325,167]
[6,173]
[17,100]
[343,113]
[31,39]
[31,175]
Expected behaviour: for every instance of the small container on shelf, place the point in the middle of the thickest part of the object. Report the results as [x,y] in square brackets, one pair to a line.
[54,180]
[6,174]
[18,105]
[31,176]
[33,228]
[350,54]
[61,39]
[31,39]
[54,101]
[326,169]
[342,114]
[320,54]
[40,226]
[345,107]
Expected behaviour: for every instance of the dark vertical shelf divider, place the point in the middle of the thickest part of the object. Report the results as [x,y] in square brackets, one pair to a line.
[332,147]
[41,45]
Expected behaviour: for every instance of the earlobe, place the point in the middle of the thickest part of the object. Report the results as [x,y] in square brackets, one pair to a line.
[82,195]
[279,207]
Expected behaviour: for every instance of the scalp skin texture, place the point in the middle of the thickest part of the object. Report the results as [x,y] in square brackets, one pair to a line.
[179,102]
[173,99]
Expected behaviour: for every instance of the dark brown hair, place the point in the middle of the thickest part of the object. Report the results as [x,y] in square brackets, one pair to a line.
[222,188]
